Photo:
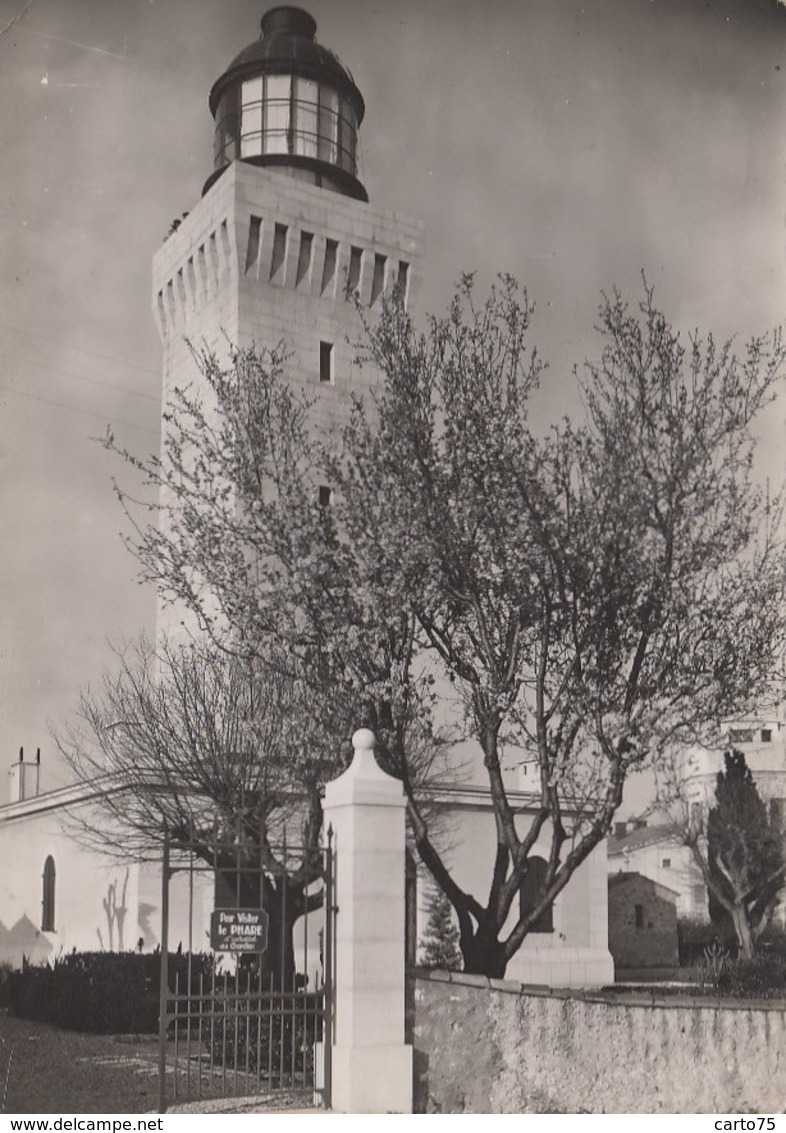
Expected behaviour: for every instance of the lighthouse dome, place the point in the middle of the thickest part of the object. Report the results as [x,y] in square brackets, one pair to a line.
[288,103]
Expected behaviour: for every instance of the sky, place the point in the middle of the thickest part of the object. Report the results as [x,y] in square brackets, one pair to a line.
[573,144]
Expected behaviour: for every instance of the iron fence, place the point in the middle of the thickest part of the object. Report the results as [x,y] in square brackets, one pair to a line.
[251,1014]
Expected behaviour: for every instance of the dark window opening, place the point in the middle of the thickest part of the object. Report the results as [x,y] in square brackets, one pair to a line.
[279,249]
[48,902]
[355,267]
[667,863]
[304,257]
[325,495]
[531,889]
[741,735]
[402,283]
[766,735]
[326,362]
[329,269]
[378,281]
[639,913]
[254,241]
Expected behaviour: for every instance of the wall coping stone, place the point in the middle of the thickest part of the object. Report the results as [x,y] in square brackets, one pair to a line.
[537,991]
[505,985]
[609,997]
[469,980]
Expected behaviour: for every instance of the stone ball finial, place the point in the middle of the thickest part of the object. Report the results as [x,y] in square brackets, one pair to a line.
[363,740]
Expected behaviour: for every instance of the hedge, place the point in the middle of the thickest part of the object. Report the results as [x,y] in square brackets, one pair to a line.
[99,992]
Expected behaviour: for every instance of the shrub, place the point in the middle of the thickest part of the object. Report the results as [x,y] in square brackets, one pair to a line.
[772,941]
[695,937]
[272,1038]
[98,992]
[6,974]
[763,977]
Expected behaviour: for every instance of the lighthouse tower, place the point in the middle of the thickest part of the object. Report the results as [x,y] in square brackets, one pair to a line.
[284,240]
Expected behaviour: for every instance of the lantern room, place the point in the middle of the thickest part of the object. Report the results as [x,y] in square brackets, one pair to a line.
[288,103]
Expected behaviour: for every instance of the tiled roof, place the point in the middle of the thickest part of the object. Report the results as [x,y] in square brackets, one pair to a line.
[644,836]
[630,875]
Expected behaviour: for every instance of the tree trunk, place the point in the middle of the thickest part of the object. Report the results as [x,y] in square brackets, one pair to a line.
[484,955]
[278,959]
[282,900]
[742,929]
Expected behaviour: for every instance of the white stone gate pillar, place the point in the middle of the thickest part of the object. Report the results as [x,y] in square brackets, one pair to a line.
[371,1064]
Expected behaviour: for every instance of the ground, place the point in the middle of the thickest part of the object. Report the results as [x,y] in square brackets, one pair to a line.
[45,1070]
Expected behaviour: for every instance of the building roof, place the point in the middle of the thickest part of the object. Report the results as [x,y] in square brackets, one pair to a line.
[287,46]
[638,838]
[630,875]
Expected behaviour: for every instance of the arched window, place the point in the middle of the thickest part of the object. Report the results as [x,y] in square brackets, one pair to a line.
[48,902]
[532,885]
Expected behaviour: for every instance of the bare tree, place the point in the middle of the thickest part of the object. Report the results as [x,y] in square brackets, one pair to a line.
[212,750]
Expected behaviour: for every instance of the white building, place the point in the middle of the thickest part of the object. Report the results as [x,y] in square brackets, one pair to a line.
[655,849]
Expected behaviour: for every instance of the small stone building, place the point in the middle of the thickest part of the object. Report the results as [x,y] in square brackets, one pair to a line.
[642,923]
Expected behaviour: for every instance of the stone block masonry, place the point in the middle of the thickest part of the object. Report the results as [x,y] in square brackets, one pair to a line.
[498,1047]
[266,260]
[372,1064]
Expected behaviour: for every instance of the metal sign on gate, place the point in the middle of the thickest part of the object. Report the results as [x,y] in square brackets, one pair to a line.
[246,995]
[238,930]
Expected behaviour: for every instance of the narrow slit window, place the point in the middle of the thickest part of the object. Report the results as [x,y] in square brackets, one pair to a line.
[378,282]
[225,248]
[329,268]
[254,242]
[355,267]
[325,495]
[326,363]
[279,249]
[48,901]
[171,302]
[639,914]
[180,290]
[304,257]
[191,281]
[214,264]
[202,271]
[402,283]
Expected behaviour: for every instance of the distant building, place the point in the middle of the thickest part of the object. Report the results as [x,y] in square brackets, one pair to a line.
[655,852]
[762,740]
[642,923]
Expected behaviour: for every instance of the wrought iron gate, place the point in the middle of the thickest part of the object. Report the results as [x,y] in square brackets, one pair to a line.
[246,1004]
